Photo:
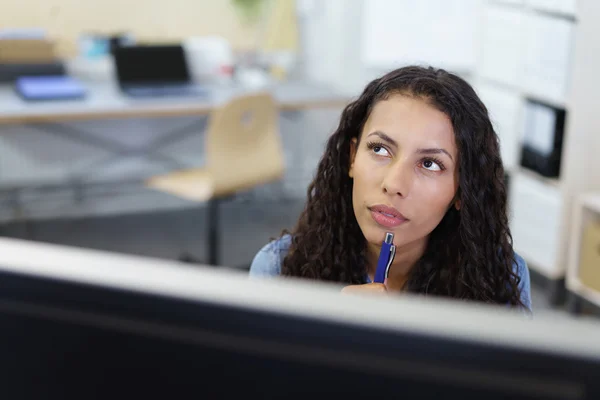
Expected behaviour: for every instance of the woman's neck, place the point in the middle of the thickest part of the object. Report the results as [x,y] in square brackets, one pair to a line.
[404,261]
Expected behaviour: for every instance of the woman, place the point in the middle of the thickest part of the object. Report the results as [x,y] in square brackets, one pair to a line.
[415,155]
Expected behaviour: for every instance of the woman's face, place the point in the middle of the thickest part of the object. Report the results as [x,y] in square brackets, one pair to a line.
[405,171]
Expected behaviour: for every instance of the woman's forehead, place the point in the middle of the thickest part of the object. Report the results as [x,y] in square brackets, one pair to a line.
[405,118]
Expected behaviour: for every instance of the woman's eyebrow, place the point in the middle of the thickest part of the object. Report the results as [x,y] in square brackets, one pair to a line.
[434,151]
[384,137]
[392,142]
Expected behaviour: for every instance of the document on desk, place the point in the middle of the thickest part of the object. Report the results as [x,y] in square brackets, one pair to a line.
[436,32]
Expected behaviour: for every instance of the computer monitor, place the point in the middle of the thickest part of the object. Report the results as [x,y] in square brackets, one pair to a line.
[151,64]
[85,324]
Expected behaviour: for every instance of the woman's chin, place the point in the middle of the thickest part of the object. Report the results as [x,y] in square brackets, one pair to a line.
[374,236]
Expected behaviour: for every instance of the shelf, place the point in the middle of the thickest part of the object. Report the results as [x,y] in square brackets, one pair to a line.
[553,182]
[592,202]
[535,222]
[575,286]
[555,8]
[525,94]
[586,208]
[556,103]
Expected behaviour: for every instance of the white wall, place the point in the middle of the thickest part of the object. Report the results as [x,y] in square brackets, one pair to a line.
[330,35]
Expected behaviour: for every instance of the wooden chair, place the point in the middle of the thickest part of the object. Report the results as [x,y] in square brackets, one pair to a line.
[243,150]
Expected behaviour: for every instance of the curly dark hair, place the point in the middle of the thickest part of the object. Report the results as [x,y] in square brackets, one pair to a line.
[469,255]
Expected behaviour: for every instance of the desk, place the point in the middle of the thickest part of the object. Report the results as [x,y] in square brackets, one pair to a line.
[106,101]
[59,120]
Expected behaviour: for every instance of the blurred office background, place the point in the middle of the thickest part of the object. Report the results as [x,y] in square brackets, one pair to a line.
[73,171]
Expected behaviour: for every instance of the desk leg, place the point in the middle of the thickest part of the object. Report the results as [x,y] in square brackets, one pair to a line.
[574,303]
[213,234]
[120,151]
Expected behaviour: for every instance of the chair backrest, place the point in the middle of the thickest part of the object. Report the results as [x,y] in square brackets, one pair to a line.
[243,144]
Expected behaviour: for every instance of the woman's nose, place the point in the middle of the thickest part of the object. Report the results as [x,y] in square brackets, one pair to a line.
[397,180]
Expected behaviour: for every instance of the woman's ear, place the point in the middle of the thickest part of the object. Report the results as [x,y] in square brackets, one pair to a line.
[457,204]
[456,201]
[353,146]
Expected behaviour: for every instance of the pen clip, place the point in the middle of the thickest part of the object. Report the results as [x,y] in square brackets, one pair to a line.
[390,260]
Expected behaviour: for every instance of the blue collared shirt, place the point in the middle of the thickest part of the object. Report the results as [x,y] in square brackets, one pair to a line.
[269,259]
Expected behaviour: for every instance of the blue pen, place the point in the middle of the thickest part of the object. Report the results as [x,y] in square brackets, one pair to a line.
[386,256]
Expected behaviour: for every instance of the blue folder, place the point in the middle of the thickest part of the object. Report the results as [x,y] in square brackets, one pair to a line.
[49,88]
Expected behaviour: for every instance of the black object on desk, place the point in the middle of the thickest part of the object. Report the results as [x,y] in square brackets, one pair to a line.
[10,72]
[154,71]
[543,138]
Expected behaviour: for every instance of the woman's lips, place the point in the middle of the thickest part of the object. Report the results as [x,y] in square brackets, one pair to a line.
[387,216]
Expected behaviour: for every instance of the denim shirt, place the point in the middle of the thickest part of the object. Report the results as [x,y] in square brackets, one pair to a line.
[268,261]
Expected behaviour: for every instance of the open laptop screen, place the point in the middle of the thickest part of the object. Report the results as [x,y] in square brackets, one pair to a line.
[151,65]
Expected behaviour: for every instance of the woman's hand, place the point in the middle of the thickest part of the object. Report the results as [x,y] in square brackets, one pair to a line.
[374,288]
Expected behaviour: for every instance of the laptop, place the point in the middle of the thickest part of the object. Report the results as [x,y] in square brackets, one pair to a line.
[154,71]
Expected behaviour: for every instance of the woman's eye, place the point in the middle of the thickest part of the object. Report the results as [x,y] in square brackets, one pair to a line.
[431,165]
[380,151]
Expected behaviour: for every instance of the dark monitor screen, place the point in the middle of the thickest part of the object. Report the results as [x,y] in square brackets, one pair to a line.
[151,64]
[126,331]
